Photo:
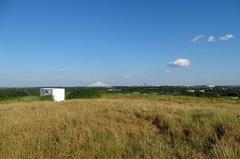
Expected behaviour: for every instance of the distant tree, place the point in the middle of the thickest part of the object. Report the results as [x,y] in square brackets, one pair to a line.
[83,93]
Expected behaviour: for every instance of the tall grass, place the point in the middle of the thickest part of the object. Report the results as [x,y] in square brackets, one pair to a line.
[121,127]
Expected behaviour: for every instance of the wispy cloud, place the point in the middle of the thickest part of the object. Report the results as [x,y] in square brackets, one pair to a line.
[227,37]
[180,63]
[197,38]
[211,39]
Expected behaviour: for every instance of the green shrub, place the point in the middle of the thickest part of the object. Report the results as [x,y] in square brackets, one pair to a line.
[46,98]
[12,93]
[83,93]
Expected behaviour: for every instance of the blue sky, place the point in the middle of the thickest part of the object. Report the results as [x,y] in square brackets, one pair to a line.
[127,42]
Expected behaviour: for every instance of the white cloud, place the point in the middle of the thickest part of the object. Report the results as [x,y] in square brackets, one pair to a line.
[227,37]
[180,63]
[197,38]
[211,39]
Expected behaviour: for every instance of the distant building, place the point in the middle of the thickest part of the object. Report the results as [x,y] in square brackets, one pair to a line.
[58,94]
[114,90]
[211,86]
[191,91]
[202,91]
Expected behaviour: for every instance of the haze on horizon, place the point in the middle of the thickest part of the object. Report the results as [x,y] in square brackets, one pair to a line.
[128,42]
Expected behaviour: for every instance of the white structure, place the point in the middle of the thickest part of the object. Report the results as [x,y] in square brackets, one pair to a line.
[58,94]
[211,86]
[191,91]
[99,84]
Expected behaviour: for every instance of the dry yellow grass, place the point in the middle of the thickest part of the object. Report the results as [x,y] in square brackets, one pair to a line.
[121,127]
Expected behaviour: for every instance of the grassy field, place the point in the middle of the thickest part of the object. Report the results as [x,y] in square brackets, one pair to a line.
[121,126]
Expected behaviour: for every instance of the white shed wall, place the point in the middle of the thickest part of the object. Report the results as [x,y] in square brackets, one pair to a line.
[58,94]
